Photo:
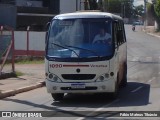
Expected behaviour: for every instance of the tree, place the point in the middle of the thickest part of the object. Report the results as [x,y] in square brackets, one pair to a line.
[93,4]
[122,7]
[86,5]
[127,8]
[100,5]
[112,6]
[157,12]
[138,11]
[157,8]
[150,14]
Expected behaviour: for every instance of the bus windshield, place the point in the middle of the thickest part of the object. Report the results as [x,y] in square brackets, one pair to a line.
[80,38]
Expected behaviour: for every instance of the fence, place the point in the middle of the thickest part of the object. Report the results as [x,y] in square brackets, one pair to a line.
[29,43]
[6,50]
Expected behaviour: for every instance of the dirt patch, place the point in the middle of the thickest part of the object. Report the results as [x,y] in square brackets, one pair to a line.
[151,29]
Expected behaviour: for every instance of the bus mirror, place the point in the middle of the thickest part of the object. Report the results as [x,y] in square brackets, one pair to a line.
[46,36]
[47,26]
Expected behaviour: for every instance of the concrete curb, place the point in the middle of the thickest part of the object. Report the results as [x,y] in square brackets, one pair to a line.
[153,35]
[20,90]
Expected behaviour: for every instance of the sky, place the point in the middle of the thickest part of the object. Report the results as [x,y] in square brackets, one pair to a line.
[140,2]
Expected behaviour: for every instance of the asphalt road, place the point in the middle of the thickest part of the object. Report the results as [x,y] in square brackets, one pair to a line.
[141,94]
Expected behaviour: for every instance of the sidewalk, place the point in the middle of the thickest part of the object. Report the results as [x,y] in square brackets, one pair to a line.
[33,78]
[151,31]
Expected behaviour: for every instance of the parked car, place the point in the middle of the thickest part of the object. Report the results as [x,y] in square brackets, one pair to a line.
[138,23]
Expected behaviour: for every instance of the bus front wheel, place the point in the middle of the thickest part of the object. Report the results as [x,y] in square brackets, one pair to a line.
[114,95]
[57,96]
[124,80]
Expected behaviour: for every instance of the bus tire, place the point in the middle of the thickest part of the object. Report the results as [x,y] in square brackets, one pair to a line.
[124,80]
[57,96]
[114,95]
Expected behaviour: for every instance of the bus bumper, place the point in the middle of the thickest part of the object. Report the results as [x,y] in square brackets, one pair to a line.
[89,87]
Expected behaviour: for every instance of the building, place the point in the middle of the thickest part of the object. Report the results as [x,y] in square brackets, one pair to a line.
[35,13]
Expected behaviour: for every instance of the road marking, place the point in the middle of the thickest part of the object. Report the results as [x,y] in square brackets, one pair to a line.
[98,109]
[135,59]
[135,90]
[151,79]
[149,59]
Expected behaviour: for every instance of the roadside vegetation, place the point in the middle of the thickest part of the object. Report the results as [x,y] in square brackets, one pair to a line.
[21,60]
[29,60]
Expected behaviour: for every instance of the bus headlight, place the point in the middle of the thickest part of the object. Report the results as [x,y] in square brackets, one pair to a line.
[103,77]
[50,76]
[53,78]
[106,75]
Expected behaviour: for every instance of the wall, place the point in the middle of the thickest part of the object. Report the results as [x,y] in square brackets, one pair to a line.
[29,3]
[36,43]
[8,14]
[70,6]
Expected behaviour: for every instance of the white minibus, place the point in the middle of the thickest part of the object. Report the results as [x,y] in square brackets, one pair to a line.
[86,52]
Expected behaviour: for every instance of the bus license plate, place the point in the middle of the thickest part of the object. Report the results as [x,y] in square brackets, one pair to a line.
[78,86]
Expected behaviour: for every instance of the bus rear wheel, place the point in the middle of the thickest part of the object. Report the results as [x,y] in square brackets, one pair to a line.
[57,96]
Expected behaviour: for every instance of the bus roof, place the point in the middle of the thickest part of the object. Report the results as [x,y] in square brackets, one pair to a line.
[87,15]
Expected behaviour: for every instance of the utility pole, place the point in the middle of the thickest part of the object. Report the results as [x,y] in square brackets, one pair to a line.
[100,4]
[106,5]
[76,5]
[145,12]
[122,9]
[86,5]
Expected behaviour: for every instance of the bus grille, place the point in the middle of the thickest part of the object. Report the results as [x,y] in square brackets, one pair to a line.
[78,76]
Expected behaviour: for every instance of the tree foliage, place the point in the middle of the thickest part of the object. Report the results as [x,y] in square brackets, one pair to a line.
[157,12]
[138,11]
[93,4]
[113,6]
[122,7]
[100,5]
[128,8]
[157,8]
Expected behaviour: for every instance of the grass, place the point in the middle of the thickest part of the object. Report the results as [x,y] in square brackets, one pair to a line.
[29,60]
[17,73]
[22,60]
[26,60]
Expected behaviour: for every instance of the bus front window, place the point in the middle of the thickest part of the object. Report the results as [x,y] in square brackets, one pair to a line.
[80,38]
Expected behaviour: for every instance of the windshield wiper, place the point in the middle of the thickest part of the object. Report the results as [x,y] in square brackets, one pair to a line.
[84,49]
[66,47]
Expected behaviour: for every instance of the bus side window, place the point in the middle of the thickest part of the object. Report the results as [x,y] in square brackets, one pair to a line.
[120,34]
[115,35]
